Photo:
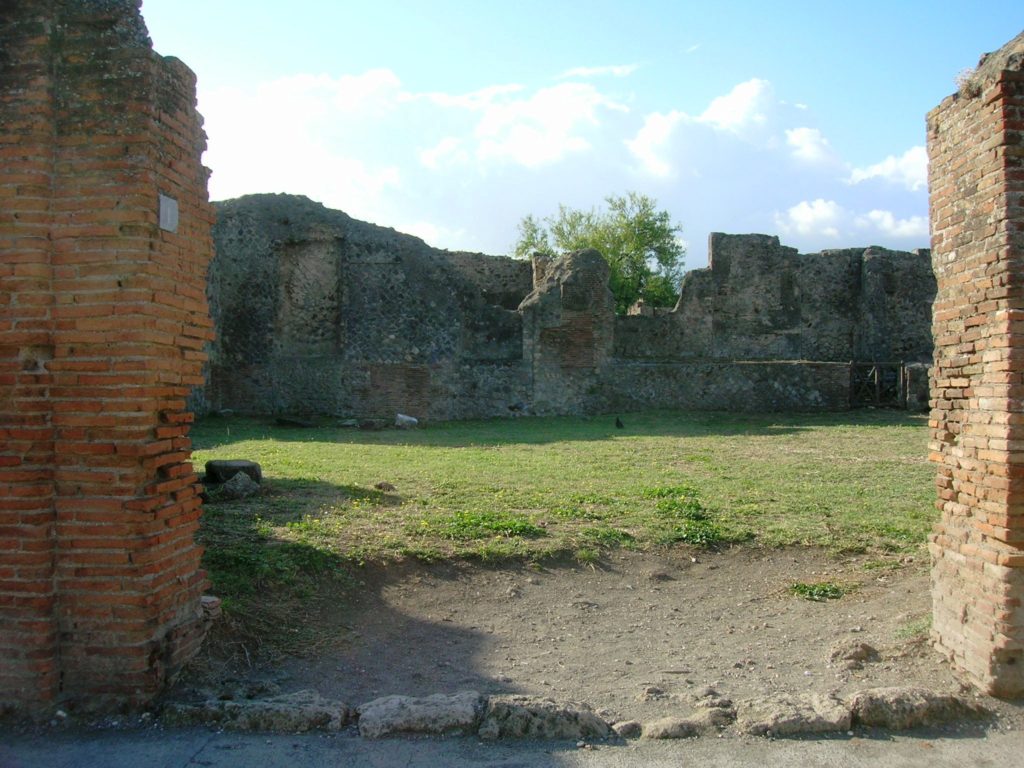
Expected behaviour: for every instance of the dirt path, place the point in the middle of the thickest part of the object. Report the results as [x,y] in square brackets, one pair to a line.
[636,637]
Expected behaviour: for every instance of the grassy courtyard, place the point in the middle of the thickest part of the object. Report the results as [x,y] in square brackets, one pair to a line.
[562,487]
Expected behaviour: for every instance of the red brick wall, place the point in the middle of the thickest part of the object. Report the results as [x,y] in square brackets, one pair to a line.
[976,180]
[28,628]
[102,339]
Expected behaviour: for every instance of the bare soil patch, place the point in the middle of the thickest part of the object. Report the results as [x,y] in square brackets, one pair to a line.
[636,636]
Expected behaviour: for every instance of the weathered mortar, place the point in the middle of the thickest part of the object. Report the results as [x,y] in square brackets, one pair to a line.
[568,334]
[976,183]
[759,300]
[101,583]
[321,314]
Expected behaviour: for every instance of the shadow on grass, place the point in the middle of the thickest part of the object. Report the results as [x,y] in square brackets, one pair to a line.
[291,604]
[243,557]
[222,432]
[285,537]
[243,552]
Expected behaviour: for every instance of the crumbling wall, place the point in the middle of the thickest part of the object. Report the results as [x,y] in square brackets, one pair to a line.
[568,328]
[976,183]
[759,300]
[104,229]
[500,281]
[320,314]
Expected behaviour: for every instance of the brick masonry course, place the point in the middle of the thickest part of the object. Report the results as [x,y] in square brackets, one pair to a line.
[976,181]
[100,344]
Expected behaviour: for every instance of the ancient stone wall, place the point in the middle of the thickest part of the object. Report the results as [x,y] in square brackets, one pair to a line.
[320,314]
[568,334]
[759,300]
[104,229]
[976,180]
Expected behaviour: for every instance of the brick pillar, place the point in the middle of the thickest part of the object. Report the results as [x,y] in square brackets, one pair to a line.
[976,180]
[28,629]
[105,212]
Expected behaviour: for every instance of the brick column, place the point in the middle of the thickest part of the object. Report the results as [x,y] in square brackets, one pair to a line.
[28,629]
[106,212]
[976,179]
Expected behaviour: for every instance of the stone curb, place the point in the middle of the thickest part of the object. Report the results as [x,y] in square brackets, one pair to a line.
[297,712]
[436,715]
[505,717]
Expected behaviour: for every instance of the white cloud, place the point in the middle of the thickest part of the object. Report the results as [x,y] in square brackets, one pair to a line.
[909,169]
[743,112]
[514,126]
[543,128]
[651,142]
[808,144]
[281,136]
[828,219]
[449,149]
[812,217]
[746,105]
[354,141]
[613,70]
[372,90]
[887,223]
[474,100]
[693,48]
[459,169]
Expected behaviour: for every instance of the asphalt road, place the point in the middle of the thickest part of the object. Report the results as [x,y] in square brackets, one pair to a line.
[187,748]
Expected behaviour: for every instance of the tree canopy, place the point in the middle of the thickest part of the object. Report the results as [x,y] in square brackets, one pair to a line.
[639,242]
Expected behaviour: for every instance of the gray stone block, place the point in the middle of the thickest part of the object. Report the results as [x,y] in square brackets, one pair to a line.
[222,470]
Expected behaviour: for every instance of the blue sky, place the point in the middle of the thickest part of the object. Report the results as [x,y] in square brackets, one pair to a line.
[452,120]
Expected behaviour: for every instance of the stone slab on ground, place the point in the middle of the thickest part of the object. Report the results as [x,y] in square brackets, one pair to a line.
[902,708]
[292,713]
[791,715]
[527,717]
[628,729]
[438,714]
[852,654]
[689,727]
[222,470]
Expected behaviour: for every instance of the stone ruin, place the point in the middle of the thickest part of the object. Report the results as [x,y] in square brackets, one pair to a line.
[317,313]
[976,185]
[105,240]
[105,230]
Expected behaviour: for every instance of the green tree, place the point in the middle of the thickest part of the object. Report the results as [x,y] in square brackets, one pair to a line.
[639,242]
[532,237]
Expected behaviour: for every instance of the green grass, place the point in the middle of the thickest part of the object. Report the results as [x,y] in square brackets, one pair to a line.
[819,591]
[467,525]
[916,630]
[536,488]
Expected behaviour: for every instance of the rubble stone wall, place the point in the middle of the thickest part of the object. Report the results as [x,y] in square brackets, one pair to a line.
[317,313]
[760,300]
[320,314]
[105,234]
[976,181]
